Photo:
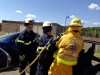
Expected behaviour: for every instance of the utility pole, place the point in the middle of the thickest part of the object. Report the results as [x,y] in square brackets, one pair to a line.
[95,37]
[65,22]
[95,33]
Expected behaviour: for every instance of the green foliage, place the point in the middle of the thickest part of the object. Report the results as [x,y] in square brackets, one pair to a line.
[91,32]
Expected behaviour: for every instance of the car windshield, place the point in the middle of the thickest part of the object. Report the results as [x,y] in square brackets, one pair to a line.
[3,37]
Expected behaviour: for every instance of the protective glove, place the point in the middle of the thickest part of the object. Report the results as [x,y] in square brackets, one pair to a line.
[22,57]
[39,49]
[52,47]
[57,35]
[56,38]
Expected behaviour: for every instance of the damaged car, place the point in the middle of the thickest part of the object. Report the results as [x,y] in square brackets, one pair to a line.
[8,50]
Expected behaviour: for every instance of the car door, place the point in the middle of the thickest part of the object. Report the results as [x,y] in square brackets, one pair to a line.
[5,59]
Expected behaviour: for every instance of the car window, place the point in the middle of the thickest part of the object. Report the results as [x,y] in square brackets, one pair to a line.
[3,37]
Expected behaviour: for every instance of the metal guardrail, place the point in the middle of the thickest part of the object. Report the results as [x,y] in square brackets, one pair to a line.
[89,41]
[92,40]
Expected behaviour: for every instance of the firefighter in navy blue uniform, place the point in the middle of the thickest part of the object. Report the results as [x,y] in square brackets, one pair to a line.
[46,56]
[27,44]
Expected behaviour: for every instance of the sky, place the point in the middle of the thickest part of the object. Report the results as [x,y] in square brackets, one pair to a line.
[56,11]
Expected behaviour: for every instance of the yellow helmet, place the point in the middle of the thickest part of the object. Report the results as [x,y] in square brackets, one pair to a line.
[76,22]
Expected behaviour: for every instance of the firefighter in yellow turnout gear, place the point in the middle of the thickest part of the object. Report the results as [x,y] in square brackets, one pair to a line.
[69,47]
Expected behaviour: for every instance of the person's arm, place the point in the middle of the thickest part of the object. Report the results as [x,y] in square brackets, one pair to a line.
[96,59]
[37,38]
[41,45]
[21,43]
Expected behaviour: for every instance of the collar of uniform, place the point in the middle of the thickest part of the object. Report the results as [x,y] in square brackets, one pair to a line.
[28,30]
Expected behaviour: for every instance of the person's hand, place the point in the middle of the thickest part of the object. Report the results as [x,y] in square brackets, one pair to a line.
[22,57]
[38,50]
[56,38]
[52,47]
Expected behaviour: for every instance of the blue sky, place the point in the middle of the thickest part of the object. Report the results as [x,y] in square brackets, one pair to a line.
[52,10]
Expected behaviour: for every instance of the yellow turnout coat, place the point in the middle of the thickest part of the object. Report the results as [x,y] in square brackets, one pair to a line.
[66,56]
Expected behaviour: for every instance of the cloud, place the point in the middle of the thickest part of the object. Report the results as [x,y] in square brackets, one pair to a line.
[31,16]
[83,21]
[62,24]
[37,21]
[72,16]
[96,23]
[16,20]
[94,6]
[0,21]
[19,12]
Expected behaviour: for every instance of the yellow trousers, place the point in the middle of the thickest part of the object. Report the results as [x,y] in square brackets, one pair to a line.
[57,68]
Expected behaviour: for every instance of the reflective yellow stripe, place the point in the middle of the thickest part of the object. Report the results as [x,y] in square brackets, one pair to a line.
[24,42]
[48,46]
[64,61]
[40,48]
[54,55]
[20,41]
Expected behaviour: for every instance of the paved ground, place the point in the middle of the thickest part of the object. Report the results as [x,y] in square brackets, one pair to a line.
[10,71]
[14,70]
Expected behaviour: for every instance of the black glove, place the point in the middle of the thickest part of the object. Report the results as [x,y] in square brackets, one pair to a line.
[52,47]
[39,49]
[56,38]
[22,57]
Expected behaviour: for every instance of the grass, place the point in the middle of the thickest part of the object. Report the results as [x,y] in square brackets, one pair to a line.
[2,33]
[97,53]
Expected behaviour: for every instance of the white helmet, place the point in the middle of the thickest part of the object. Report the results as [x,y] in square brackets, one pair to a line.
[28,21]
[47,23]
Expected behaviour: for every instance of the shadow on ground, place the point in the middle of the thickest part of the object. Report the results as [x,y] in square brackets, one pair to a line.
[11,68]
